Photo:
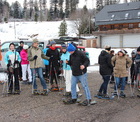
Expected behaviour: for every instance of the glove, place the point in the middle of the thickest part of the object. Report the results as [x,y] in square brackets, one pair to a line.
[16,61]
[9,63]
[61,62]
[51,57]
[35,57]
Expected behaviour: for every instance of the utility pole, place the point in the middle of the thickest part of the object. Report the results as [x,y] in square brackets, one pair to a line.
[15,29]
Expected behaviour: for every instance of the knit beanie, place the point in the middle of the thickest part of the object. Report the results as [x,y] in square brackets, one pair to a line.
[138,49]
[52,42]
[71,48]
[107,47]
[25,47]
[63,46]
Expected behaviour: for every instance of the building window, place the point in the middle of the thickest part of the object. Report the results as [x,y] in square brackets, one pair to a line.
[126,15]
[139,14]
[130,25]
[112,26]
[120,26]
[112,17]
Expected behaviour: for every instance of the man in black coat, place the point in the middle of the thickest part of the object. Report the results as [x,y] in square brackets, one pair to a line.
[79,63]
[54,65]
[105,69]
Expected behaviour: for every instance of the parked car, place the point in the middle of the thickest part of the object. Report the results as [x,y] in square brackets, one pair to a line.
[5,47]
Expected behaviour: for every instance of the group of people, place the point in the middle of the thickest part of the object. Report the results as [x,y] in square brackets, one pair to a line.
[72,63]
[116,68]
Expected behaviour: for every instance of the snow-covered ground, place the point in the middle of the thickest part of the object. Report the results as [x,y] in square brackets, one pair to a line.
[46,30]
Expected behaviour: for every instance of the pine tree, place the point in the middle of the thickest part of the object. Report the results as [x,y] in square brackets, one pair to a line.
[1,10]
[63,28]
[67,8]
[36,9]
[44,9]
[61,13]
[25,10]
[16,8]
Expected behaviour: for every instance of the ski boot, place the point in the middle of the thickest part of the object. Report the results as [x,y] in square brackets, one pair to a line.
[122,94]
[44,92]
[36,92]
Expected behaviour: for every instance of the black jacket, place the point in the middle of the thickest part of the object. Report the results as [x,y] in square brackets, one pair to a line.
[105,66]
[54,58]
[76,59]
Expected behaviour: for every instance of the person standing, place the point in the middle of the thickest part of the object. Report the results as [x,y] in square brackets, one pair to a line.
[105,69]
[79,63]
[25,65]
[137,67]
[46,63]
[67,70]
[112,53]
[120,62]
[35,55]
[12,59]
[19,49]
[54,65]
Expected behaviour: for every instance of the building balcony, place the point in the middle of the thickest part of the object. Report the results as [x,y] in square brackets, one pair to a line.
[116,31]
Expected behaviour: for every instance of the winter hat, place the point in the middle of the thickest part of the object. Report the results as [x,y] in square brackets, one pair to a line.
[138,49]
[63,46]
[122,51]
[71,48]
[52,42]
[107,47]
[35,41]
[25,47]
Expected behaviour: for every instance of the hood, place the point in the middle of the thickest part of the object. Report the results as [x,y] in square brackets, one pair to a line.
[103,53]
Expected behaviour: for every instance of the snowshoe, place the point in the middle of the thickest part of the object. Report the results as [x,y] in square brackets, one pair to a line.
[9,92]
[36,92]
[100,94]
[87,103]
[104,97]
[17,92]
[54,89]
[115,93]
[44,92]
[69,101]
[122,95]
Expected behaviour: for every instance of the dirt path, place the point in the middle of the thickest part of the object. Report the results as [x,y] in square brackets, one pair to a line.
[29,108]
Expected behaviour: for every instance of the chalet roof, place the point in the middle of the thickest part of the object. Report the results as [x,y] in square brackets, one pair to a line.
[119,13]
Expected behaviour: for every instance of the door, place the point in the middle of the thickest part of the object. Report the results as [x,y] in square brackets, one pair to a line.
[112,40]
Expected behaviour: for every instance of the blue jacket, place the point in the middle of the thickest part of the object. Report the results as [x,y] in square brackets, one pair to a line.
[64,57]
[10,55]
[46,62]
